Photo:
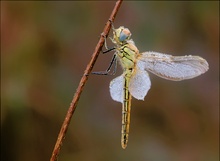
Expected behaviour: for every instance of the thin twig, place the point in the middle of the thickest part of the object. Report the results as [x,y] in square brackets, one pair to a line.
[82,82]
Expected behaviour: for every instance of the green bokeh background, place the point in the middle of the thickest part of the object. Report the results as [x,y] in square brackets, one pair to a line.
[45,47]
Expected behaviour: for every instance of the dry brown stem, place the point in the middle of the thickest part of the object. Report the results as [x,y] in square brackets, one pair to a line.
[82,82]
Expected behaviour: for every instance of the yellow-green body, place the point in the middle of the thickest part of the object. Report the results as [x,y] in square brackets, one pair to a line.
[126,53]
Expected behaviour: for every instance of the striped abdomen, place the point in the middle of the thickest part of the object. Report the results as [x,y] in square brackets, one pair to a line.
[126,109]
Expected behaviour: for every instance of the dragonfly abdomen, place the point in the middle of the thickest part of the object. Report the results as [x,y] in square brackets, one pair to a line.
[126,109]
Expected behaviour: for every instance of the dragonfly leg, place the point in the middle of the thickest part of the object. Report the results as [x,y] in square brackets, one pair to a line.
[113,28]
[108,50]
[103,35]
[109,68]
[106,46]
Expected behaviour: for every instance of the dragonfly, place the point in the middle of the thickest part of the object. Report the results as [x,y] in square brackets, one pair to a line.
[135,81]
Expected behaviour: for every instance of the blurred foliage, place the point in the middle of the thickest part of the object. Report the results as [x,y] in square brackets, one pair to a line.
[45,47]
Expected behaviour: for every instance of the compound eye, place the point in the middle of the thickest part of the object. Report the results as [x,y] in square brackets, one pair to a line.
[125,34]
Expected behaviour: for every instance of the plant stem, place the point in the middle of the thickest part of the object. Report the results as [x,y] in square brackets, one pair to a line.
[82,82]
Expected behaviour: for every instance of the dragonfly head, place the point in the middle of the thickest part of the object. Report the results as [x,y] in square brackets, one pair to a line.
[122,34]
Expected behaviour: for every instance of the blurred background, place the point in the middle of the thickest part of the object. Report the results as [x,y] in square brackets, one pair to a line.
[45,47]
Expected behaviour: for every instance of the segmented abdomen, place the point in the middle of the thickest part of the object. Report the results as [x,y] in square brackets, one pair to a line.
[126,109]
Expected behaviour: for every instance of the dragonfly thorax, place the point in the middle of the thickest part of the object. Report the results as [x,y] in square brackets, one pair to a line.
[126,50]
[127,55]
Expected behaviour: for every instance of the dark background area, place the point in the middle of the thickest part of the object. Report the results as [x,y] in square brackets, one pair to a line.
[45,47]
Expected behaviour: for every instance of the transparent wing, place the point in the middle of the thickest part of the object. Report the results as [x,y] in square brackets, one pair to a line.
[116,88]
[170,67]
[139,84]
